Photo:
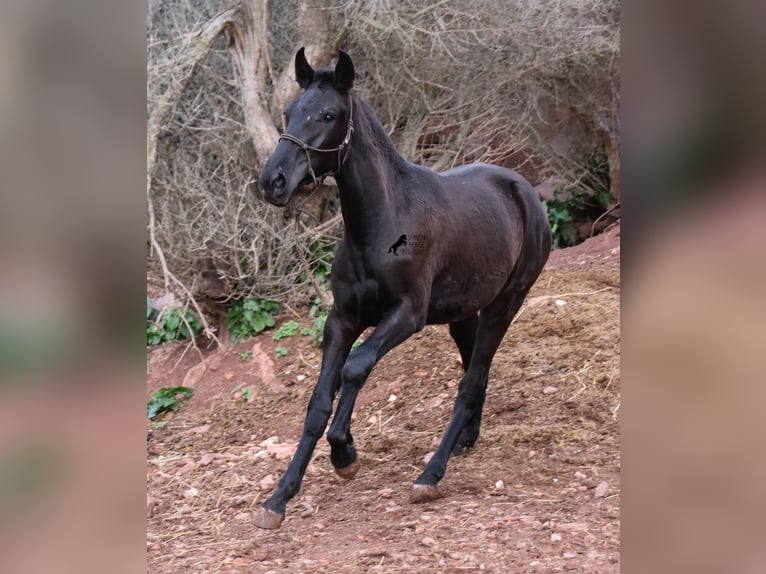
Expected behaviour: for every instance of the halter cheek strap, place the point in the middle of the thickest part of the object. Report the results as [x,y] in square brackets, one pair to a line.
[342,149]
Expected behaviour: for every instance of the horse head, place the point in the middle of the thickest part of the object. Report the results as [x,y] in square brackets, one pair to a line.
[319,126]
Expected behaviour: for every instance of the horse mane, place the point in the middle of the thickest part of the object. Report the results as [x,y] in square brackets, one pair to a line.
[377,133]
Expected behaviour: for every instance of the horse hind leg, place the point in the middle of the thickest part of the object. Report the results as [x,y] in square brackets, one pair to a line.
[464,334]
[493,323]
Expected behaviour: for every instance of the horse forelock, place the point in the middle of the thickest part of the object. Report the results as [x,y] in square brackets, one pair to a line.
[326,78]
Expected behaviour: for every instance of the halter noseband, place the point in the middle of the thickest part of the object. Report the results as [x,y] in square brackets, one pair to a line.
[342,149]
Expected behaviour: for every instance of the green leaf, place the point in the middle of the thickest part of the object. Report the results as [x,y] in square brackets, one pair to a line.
[166,399]
[288,329]
[259,323]
[280,351]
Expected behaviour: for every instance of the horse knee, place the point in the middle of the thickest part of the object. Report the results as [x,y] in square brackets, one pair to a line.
[358,367]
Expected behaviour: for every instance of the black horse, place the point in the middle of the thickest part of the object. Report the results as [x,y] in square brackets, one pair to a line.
[483,239]
[399,242]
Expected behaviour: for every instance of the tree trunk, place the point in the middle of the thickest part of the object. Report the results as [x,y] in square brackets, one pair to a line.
[314,29]
[248,45]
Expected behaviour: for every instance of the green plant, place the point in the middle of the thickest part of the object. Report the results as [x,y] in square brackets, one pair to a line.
[288,329]
[165,325]
[584,202]
[316,331]
[243,393]
[167,399]
[248,317]
[322,255]
[579,206]
[280,351]
[245,355]
[562,229]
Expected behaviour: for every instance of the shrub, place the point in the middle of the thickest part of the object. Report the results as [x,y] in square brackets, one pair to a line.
[166,325]
[249,317]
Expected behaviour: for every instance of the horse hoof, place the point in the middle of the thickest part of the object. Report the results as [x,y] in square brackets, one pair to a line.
[268,519]
[424,493]
[349,472]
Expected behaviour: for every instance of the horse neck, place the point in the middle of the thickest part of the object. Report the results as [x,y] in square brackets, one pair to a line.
[368,181]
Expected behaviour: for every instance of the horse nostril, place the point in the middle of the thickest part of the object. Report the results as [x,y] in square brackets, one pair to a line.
[278,182]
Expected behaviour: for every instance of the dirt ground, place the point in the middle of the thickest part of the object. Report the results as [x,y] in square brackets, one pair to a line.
[539,493]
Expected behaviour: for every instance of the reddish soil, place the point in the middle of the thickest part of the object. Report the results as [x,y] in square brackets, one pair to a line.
[539,493]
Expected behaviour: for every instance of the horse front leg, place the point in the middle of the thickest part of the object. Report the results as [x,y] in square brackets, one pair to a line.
[339,335]
[395,328]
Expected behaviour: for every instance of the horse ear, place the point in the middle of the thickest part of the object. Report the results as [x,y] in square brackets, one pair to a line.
[304,73]
[344,71]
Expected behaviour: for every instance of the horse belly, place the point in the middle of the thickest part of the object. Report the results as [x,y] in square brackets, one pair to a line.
[457,297]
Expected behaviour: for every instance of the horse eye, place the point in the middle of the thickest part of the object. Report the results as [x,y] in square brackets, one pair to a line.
[329,116]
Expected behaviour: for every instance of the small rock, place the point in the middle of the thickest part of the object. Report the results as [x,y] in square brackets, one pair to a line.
[151,504]
[560,302]
[206,459]
[267,482]
[550,390]
[189,466]
[499,485]
[601,490]
[428,541]
[282,451]
[580,475]
[573,526]
[194,375]
[301,378]
[555,537]
[242,517]
[200,429]
[386,492]
[191,492]
[391,398]
[569,555]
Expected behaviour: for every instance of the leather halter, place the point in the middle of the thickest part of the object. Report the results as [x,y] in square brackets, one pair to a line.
[342,149]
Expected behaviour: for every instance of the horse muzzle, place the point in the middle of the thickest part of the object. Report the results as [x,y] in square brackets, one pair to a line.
[275,186]
[278,185]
